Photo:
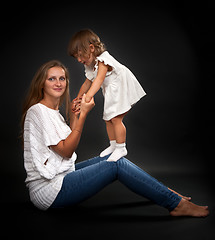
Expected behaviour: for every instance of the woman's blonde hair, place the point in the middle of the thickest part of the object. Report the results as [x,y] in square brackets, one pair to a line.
[35,93]
[81,40]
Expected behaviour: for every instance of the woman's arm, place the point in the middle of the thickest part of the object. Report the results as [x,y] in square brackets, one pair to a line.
[73,120]
[66,147]
[102,70]
[85,87]
[75,106]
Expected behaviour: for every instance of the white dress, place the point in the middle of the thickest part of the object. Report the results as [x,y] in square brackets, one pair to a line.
[120,88]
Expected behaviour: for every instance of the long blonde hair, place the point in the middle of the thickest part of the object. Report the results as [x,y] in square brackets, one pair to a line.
[35,93]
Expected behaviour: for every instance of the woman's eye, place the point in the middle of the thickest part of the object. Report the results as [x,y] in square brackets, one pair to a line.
[51,79]
[62,79]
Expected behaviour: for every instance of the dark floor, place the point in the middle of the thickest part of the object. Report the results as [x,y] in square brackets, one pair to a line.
[113,213]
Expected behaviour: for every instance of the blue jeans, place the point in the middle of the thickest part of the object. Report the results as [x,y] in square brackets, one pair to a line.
[94,174]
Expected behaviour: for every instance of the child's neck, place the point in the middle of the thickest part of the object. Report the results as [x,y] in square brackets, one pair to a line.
[92,65]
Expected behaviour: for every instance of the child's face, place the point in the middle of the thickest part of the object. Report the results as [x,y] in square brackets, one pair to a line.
[86,59]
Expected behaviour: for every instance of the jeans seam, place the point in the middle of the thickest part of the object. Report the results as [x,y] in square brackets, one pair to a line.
[151,184]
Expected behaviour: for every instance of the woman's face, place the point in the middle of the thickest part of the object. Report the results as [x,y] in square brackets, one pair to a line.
[55,83]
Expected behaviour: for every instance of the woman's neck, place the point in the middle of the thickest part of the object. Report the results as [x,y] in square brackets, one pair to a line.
[51,103]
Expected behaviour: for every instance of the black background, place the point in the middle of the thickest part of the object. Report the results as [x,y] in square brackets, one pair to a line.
[170,132]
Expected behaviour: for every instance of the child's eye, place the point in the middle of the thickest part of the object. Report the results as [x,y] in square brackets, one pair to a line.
[78,55]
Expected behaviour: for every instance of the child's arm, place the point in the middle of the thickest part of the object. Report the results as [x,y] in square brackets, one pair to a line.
[102,70]
[85,87]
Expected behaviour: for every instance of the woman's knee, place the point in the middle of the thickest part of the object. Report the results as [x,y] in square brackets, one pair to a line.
[122,162]
[89,162]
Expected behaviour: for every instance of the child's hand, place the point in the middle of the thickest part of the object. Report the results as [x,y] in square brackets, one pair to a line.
[86,107]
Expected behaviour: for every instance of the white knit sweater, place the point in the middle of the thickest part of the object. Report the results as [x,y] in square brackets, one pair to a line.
[45,168]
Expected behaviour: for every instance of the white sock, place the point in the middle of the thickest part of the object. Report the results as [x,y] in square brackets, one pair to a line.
[120,151]
[109,150]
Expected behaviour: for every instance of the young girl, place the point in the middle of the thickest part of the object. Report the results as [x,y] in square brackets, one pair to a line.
[120,88]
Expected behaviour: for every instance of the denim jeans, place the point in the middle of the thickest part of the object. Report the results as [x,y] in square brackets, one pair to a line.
[94,174]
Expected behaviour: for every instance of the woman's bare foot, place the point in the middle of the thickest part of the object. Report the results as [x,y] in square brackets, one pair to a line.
[186,208]
[186,198]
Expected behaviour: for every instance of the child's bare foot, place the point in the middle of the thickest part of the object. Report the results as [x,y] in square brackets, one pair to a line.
[186,208]
[186,198]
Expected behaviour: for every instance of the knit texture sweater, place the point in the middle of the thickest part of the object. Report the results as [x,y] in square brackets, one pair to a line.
[45,169]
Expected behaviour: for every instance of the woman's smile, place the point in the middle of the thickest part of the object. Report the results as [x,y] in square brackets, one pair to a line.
[58,89]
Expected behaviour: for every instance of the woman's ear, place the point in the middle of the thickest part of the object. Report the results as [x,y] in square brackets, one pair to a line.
[92,48]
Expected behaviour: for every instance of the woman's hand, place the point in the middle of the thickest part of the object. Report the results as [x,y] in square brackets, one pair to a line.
[86,107]
[66,147]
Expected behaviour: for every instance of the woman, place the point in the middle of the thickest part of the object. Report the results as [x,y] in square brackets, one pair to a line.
[53,178]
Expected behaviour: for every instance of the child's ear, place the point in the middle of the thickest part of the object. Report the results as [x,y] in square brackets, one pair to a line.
[92,48]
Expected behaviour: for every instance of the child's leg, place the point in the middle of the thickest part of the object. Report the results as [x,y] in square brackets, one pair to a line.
[120,134]
[111,136]
[110,130]
[119,128]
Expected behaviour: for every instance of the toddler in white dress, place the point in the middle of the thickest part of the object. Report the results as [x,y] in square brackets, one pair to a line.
[120,87]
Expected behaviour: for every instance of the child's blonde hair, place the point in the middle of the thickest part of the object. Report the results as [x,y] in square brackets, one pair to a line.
[81,40]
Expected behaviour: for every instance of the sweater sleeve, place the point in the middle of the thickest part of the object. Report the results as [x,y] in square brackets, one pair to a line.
[40,133]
